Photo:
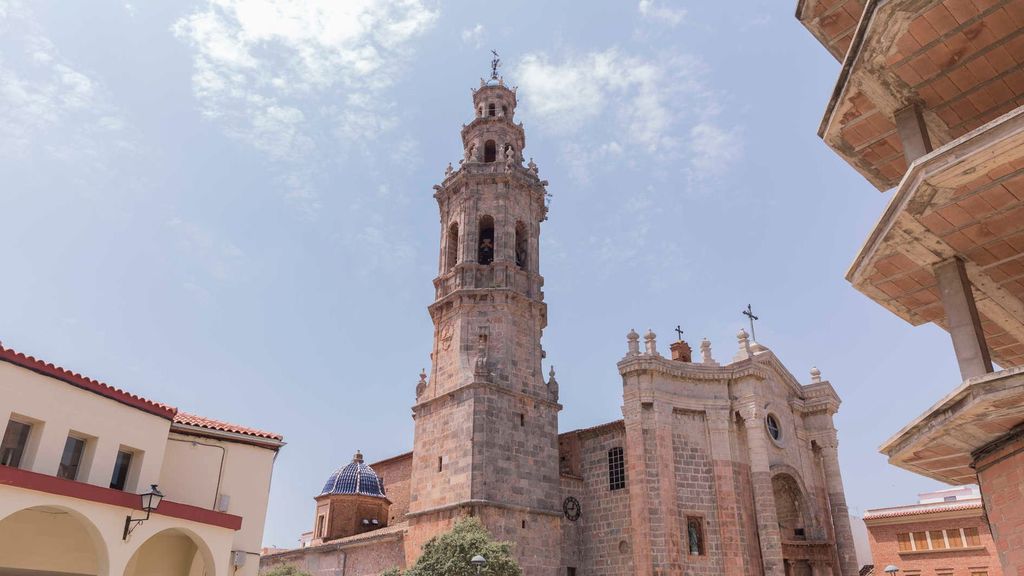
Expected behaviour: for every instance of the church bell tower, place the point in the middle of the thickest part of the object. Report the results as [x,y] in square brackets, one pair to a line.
[486,422]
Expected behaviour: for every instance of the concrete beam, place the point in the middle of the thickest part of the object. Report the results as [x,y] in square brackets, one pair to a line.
[913,132]
[962,318]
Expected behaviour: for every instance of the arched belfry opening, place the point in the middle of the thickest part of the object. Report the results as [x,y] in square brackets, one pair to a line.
[485,246]
[491,109]
[490,151]
[522,246]
[504,110]
[451,257]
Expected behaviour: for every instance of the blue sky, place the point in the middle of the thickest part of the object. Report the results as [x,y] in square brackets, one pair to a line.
[227,206]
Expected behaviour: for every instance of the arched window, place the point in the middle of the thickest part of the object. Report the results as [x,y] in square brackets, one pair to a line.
[481,112]
[490,109]
[504,110]
[490,151]
[616,469]
[485,246]
[521,245]
[451,257]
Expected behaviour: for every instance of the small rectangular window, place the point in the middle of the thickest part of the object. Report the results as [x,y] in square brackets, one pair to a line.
[938,542]
[954,538]
[122,464]
[904,542]
[522,419]
[570,571]
[12,449]
[320,526]
[440,463]
[616,469]
[971,537]
[71,458]
[920,540]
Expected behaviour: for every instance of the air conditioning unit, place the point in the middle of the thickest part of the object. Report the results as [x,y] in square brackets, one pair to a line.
[238,558]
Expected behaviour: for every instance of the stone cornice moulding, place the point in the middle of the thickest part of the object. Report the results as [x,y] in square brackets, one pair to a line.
[451,395]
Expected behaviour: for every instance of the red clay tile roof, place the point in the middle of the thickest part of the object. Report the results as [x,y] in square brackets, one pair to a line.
[163,410]
[211,424]
[917,509]
[85,383]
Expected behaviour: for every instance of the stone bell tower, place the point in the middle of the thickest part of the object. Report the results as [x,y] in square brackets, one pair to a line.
[486,423]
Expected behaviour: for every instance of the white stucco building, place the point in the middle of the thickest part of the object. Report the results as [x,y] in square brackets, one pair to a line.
[75,456]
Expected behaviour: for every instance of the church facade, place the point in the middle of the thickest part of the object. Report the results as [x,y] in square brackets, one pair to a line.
[715,468]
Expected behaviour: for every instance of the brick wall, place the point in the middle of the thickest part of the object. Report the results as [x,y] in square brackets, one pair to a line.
[606,533]
[1001,477]
[396,472]
[695,491]
[885,549]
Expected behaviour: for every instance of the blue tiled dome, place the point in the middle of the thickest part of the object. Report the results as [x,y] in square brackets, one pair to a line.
[355,478]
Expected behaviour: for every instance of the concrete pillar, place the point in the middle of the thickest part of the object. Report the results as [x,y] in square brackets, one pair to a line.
[962,318]
[764,499]
[730,522]
[829,446]
[913,132]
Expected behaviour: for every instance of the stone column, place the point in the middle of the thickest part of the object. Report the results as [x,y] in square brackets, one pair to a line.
[913,132]
[962,318]
[837,502]
[669,500]
[730,522]
[637,484]
[764,500]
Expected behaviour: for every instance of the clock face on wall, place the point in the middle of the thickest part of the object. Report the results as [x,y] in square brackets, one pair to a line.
[571,508]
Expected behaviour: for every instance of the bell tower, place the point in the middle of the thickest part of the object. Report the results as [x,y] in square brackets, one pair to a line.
[486,423]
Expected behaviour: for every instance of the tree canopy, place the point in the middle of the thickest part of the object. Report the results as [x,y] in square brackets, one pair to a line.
[449,554]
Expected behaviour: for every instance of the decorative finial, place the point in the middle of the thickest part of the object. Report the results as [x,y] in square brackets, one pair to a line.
[651,342]
[448,170]
[815,374]
[495,63]
[705,352]
[552,383]
[421,386]
[532,166]
[633,340]
[744,341]
[358,457]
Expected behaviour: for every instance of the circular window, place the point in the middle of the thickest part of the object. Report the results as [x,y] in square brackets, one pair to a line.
[772,424]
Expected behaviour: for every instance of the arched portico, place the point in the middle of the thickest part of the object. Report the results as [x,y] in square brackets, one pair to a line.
[172,552]
[54,540]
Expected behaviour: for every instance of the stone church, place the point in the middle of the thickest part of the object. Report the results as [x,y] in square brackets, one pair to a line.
[715,467]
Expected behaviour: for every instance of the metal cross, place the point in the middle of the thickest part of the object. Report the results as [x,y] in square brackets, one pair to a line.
[679,331]
[495,62]
[749,313]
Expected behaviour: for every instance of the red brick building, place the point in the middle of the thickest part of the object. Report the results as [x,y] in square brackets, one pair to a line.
[945,533]
[716,468]
[929,101]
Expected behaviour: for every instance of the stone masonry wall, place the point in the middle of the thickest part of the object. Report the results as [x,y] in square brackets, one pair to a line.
[605,518]
[695,491]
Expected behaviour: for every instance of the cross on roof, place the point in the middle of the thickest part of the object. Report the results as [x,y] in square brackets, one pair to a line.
[749,313]
[679,331]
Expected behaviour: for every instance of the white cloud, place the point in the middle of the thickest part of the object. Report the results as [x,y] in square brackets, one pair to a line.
[713,149]
[43,91]
[206,255]
[473,36]
[611,106]
[670,16]
[262,66]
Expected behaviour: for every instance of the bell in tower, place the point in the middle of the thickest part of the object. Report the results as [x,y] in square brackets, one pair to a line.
[486,425]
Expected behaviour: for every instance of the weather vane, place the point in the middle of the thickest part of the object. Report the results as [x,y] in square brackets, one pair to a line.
[495,62]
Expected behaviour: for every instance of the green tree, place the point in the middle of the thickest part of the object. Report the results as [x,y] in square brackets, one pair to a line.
[285,570]
[449,554]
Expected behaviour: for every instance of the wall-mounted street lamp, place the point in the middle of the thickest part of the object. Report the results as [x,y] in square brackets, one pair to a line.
[150,501]
[479,562]
[891,569]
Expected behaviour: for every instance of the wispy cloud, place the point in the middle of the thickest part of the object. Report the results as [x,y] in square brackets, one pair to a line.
[664,14]
[208,260]
[473,36]
[42,92]
[283,76]
[629,107]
